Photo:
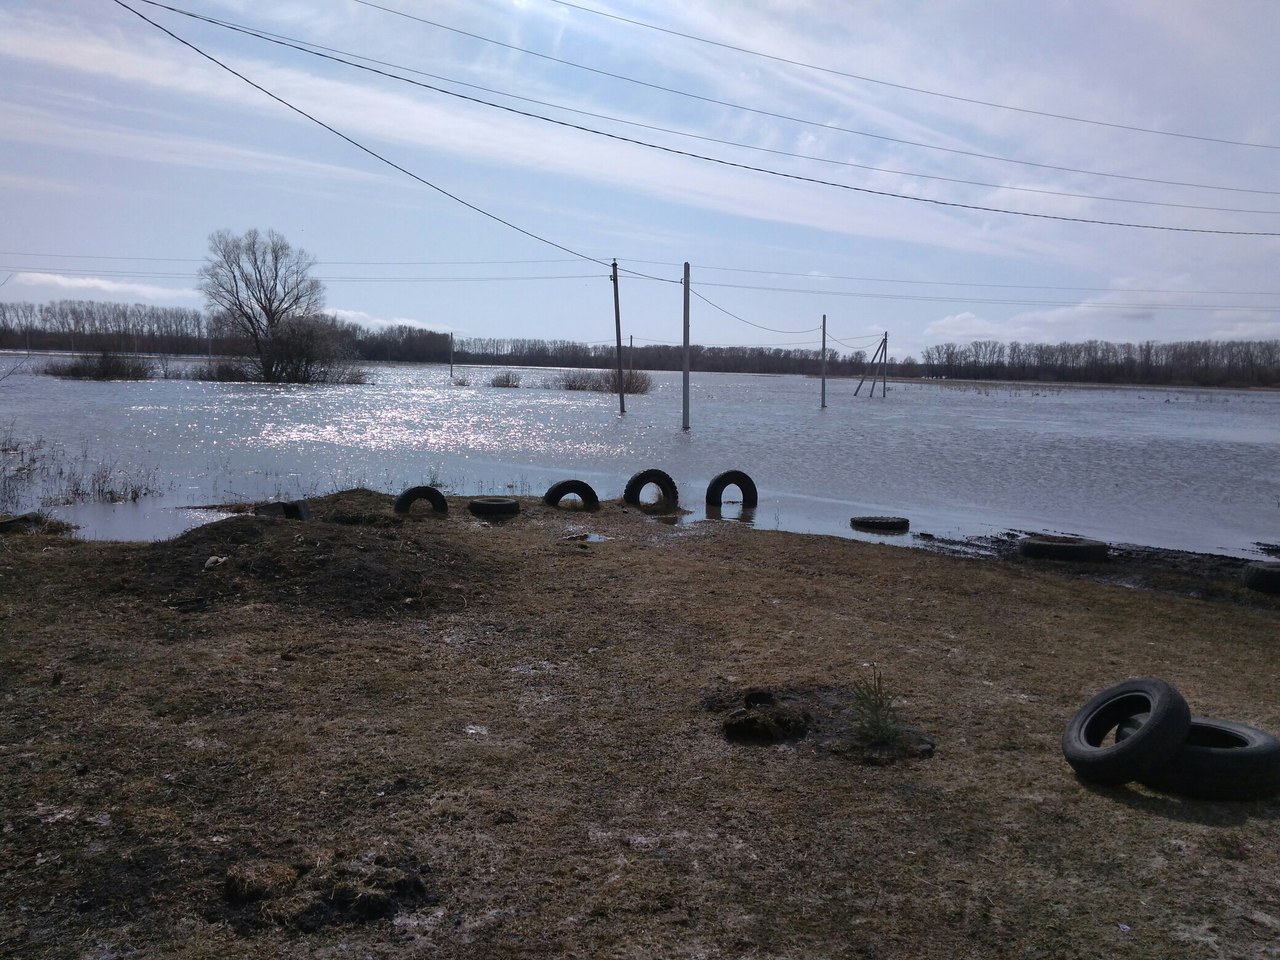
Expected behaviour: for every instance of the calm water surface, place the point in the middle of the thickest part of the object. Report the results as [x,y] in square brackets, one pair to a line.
[1186,469]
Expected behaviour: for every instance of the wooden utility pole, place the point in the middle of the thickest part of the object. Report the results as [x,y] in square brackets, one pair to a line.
[879,363]
[617,326]
[824,362]
[450,354]
[686,345]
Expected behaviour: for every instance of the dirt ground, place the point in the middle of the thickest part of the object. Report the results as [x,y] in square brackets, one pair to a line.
[372,735]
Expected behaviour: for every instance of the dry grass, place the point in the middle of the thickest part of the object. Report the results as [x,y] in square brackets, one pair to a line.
[527,760]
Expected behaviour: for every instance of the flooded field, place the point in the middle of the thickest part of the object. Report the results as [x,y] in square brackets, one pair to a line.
[1184,469]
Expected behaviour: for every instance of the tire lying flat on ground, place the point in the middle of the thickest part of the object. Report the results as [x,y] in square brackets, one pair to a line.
[1148,748]
[1078,549]
[881,524]
[493,506]
[666,486]
[1220,760]
[564,488]
[733,478]
[411,496]
[1263,576]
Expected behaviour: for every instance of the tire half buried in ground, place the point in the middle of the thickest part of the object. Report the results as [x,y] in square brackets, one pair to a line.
[733,478]
[666,486]
[565,488]
[411,496]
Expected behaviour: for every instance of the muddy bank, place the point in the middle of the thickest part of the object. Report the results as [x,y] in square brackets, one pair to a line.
[437,735]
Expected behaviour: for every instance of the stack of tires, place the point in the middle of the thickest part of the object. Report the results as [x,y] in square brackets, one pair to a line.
[1158,743]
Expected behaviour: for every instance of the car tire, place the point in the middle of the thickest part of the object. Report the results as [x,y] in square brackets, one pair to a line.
[411,496]
[733,478]
[1151,746]
[564,488]
[666,486]
[1219,760]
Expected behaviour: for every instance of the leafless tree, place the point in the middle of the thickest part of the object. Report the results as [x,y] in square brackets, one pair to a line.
[263,288]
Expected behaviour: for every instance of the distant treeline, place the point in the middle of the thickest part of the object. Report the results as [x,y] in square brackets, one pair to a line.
[87,326]
[1211,363]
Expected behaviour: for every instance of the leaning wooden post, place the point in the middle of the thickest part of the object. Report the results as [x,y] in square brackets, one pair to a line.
[883,368]
[686,346]
[824,362]
[617,326]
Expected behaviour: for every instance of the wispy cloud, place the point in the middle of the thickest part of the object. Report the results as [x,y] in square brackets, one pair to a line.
[147,291]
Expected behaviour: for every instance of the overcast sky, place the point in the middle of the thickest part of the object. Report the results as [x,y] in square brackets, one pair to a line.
[123,149]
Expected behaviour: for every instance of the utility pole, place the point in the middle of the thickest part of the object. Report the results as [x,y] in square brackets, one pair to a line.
[824,362]
[686,346]
[617,326]
[450,354]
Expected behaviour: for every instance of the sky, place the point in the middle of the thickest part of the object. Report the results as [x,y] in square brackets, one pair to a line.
[940,172]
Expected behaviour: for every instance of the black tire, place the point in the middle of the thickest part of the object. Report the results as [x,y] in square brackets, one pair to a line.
[564,488]
[1220,760]
[1263,576]
[1138,755]
[289,509]
[881,524]
[666,486]
[433,496]
[733,478]
[1077,549]
[493,506]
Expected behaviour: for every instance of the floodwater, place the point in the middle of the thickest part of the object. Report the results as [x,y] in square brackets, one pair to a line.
[1189,469]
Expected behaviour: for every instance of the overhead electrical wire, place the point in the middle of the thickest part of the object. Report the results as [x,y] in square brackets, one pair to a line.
[921,90]
[758,326]
[675,151]
[800,120]
[357,144]
[319,50]
[660,263]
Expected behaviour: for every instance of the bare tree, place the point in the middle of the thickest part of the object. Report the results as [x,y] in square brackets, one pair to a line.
[264,289]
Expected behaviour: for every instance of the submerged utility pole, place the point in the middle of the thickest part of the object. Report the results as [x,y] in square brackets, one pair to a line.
[824,362]
[617,326]
[450,354]
[686,345]
[879,368]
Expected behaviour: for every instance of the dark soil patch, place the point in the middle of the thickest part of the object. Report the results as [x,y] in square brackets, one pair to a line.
[823,718]
[348,560]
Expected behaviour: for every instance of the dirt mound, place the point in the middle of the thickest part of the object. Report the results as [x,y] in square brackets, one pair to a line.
[352,559]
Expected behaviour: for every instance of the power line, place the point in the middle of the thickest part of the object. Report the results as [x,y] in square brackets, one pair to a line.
[860,295]
[812,123]
[661,263]
[758,326]
[357,144]
[902,86]
[686,153]
[337,55]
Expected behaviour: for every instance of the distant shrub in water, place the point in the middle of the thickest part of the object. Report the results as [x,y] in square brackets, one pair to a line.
[221,371]
[242,371]
[462,380]
[506,378]
[105,366]
[606,381]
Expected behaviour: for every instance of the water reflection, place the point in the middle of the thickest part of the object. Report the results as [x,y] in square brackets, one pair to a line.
[1197,472]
